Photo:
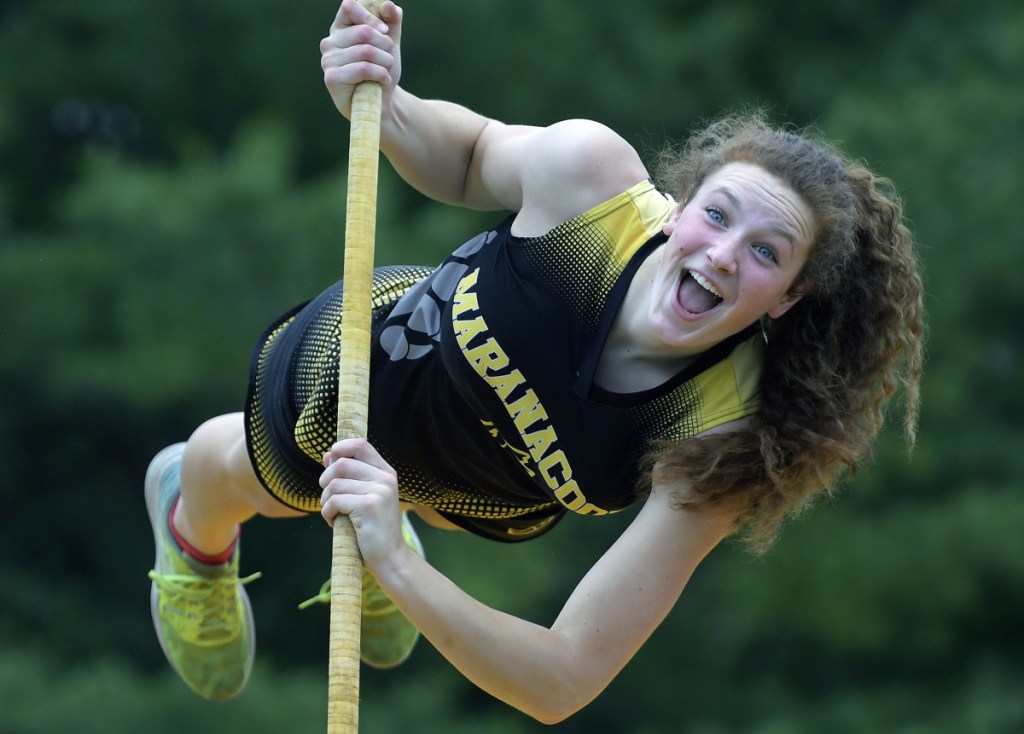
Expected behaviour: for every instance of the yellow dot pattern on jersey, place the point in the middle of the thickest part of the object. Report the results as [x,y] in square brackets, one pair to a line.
[581,261]
[314,388]
[583,258]
[454,499]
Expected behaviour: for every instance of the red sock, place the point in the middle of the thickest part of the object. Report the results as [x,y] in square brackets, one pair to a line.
[210,560]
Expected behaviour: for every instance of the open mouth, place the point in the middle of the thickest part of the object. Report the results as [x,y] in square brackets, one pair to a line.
[696,294]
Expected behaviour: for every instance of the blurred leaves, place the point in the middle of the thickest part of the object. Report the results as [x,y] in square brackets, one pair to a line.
[173,177]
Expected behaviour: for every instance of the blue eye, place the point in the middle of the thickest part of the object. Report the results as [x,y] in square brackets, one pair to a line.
[767,252]
[715,214]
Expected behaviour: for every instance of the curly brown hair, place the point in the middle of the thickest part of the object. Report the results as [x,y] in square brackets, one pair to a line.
[835,359]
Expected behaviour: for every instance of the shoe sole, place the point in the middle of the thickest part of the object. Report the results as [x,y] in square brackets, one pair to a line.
[154,473]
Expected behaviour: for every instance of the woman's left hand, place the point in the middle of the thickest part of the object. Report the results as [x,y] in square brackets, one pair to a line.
[357,482]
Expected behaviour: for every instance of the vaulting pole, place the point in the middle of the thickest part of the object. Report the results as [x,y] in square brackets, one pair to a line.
[353,395]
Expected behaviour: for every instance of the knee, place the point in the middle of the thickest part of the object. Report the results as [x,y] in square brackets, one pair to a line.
[212,443]
[216,450]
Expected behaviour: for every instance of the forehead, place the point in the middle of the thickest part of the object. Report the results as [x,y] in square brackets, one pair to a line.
[755,190]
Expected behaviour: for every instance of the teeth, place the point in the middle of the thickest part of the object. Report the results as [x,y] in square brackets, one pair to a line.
[705,284]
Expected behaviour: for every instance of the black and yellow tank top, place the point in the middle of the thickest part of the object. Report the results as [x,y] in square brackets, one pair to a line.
[482,394]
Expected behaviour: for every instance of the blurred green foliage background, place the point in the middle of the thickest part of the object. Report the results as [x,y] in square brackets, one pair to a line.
[172,177]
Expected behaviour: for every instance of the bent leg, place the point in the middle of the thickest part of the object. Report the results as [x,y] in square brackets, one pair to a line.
[429,515]
[219,489]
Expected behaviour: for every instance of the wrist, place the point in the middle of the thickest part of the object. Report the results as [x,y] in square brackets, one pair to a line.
[392,112]
[391,557]
[395,570]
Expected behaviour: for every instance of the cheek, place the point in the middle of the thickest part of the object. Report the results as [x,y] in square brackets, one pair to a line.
[765,290]
[691,228]
[677,248]
[686,237]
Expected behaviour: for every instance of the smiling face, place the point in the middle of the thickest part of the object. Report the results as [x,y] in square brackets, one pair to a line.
[733,253]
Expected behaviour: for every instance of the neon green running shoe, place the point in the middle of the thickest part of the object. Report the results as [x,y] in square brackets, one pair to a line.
[387,638]
[202,614]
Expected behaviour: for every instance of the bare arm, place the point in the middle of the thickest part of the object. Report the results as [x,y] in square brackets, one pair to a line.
[550,673]
[459,157]
[546,672]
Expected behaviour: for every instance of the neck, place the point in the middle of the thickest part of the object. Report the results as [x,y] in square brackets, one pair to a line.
[626,372]
[632,359]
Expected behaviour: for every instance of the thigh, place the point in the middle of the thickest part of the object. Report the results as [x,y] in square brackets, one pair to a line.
[222,440]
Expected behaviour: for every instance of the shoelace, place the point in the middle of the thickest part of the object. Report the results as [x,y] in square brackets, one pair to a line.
[375,601]
[216,617]
[322,597]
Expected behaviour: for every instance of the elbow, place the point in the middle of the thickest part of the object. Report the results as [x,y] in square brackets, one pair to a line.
[552,718]
[562,679]
[551,715]
[557,703]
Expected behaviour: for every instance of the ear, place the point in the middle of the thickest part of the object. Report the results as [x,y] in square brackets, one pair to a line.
[787,302]
[670,225]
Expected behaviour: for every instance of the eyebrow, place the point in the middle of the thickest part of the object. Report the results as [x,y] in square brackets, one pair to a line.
[784,232]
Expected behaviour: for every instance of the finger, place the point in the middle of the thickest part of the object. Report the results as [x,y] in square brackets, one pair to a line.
[338,51]
[355,504]
[351,66]
[356,36]
[343,487]
[354,470]
[361,449]
[392,14]
[352,13]
[351,46]
[336,504]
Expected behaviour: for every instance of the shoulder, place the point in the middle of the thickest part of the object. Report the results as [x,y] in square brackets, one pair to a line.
[570,167]
[587,150]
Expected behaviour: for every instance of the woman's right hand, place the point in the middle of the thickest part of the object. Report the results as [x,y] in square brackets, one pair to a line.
[359,483]
[361,47]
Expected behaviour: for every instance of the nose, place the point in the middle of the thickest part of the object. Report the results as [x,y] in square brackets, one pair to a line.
[722,255]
